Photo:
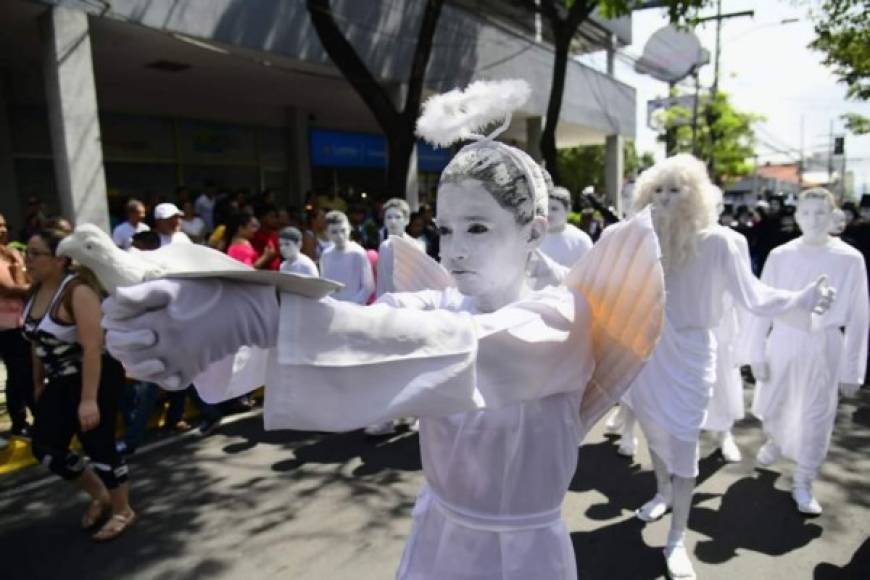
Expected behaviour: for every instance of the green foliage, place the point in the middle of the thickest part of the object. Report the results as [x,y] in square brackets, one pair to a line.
[843,35]
[856,124]
[580,167]
[678,10]
[735,138]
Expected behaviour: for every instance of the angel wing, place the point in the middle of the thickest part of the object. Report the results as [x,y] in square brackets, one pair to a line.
[623,281]
[414,270]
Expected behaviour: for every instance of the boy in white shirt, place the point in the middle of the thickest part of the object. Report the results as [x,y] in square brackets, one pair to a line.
[290,245]
[123,233]
[346,261]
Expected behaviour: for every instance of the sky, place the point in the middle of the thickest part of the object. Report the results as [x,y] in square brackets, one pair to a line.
[766,68]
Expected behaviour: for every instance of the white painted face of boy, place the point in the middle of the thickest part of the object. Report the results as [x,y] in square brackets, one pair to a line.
[289,249]
[815,218]
[557,216]
[483,246]
[338,234]
[395,221]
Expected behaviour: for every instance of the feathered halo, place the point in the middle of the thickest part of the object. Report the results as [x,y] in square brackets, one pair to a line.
[459,115]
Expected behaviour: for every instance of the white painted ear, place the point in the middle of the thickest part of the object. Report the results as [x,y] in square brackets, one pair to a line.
[622,280]
[414,270]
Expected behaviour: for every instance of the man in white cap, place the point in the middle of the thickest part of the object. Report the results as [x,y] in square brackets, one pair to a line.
[167,223]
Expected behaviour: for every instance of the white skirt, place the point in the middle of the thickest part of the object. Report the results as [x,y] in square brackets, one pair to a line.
[671,395]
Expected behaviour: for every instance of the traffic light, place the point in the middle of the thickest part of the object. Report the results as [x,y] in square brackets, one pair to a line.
[839,145]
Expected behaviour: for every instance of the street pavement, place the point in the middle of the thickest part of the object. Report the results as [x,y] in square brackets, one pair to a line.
[249,504]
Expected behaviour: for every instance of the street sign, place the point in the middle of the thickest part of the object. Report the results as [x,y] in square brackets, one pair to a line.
[655,109]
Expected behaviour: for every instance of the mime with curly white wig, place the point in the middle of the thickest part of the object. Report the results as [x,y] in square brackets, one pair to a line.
[670,396]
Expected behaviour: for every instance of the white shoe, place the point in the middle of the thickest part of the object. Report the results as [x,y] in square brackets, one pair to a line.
[654,509]
[414,426]
[730,451]
[385,428]
[806,502]
[679,564]
[615,421]
[627,447]
[768,454]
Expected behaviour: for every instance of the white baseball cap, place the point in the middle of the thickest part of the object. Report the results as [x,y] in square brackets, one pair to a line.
[164,211]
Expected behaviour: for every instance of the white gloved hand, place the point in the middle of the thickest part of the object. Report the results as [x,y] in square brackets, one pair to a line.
[849,389]
[168,331]
[760,370]
[818,296]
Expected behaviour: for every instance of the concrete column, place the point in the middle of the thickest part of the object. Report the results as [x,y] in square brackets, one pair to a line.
[614,169]
[298,158]
[534,127]
[10,198]
[73,115]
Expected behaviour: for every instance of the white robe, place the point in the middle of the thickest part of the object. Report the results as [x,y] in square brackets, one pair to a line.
[671,393]
[352,268]
[798,403]
[726,402]
[301,265]
[568,246]
[503,398]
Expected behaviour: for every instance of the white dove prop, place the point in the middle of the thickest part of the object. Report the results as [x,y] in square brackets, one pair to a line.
[114,268]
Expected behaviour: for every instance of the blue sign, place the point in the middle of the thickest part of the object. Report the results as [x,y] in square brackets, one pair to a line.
[342,149]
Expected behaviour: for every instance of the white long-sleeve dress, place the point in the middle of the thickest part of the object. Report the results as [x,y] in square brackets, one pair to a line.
[503,398]
[671,394]
[798,403]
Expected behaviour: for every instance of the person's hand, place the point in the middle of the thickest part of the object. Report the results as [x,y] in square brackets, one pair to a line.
[168,331]
[89,414]
[849,389]
[269,252]
[760,370]
[818,296]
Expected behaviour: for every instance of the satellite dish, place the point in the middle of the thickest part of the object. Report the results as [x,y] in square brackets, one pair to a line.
[671,55]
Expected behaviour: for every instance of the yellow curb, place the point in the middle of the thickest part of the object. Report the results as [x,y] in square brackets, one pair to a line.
[16,456]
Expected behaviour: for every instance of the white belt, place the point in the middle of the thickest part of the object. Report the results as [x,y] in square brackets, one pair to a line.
[489,522]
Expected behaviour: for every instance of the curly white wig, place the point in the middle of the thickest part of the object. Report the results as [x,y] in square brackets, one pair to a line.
[678,228]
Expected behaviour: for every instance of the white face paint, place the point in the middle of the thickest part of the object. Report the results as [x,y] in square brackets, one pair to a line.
[557,216]
[395,221]
[668,194]
[338,234]
[482,245]
[814,217]
[289,249]
[838,222]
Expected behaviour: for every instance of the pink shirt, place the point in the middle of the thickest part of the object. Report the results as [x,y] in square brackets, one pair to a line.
[244,253]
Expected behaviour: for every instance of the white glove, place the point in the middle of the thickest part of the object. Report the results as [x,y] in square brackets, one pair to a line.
[168,331]
[818,296]
[760,370]
[849,389]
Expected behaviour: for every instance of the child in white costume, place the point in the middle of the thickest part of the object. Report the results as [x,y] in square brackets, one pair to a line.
[290,246]
[346,261]
[798,368]
[671,393]
[564,242]
[726,402]
[506,381]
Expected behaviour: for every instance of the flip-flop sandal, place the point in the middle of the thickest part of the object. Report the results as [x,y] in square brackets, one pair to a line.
[114,527]
[93,514]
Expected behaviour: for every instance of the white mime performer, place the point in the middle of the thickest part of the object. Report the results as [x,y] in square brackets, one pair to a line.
[726,403]
[564,242]
[671,393]
[505,380]
[290,246]
[346,261]
[397,215]
[799,368]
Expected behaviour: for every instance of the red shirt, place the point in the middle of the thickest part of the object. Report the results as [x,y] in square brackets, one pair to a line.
[263,238]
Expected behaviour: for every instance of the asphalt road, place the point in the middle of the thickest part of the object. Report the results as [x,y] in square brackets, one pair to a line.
[250,504]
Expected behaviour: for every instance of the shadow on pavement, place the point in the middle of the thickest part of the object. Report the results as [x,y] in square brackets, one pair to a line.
[858,566]
[754,516]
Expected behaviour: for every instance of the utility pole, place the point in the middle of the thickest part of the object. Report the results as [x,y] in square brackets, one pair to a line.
[801,161]
[831,153]
[710,114]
